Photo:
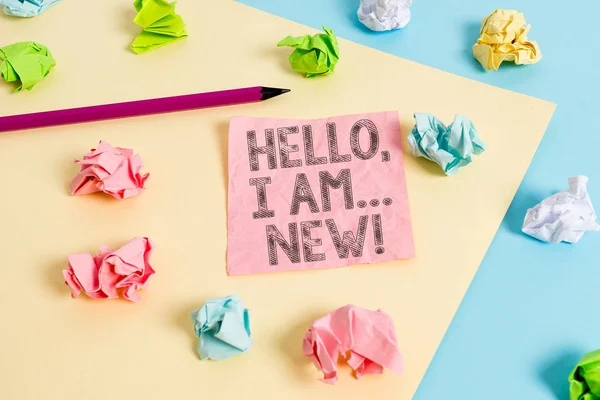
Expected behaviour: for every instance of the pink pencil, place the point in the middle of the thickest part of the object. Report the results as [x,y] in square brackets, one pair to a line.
[138,108]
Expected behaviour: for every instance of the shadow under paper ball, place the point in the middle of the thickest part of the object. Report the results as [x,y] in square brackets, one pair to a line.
[554,371]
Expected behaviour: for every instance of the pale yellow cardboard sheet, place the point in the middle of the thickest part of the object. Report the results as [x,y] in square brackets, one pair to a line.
[57,348]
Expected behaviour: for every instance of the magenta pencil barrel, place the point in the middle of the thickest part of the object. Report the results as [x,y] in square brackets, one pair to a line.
[130,109]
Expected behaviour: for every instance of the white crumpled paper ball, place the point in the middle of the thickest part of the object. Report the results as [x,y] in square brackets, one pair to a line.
[563,217]
[384,15]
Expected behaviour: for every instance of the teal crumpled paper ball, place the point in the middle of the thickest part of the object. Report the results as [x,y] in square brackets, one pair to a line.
[451,147]
[223,326]
[26,8]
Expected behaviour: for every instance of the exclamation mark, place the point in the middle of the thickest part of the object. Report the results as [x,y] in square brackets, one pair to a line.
[378,234]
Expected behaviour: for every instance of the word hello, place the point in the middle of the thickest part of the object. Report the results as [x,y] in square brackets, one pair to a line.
[285,149]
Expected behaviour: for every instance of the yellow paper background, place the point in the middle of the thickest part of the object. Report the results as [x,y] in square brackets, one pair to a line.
[57,348]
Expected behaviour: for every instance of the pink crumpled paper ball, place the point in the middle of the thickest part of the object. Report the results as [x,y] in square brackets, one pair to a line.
[112,170]
[365,339]
[111,272]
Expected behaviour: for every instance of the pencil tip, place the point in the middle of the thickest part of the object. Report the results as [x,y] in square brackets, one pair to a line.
[268,92]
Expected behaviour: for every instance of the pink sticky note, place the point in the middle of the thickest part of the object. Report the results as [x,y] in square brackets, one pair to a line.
[306,194]
[365,339]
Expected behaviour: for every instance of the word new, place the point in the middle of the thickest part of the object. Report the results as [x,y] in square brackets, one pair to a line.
[345,243]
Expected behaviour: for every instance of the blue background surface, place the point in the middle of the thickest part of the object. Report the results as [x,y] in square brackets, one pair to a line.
[531,311]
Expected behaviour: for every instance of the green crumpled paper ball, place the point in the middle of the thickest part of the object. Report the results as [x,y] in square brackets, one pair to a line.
[585,378]
[160,24]
[28,62]
[314,55]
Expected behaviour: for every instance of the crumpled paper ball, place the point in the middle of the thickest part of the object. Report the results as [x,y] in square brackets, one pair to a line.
[450,147]
[504,38]
[26,8]
[563,217]
[584,381]
[223,327]
[112,170]
[314,56]
[27,62]
[111,272]
[384,15]
[160,24]
[365,339]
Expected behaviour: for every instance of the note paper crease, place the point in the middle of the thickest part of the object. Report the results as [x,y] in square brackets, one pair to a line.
[563,217]
[365,339]
[223,327]
[307,194]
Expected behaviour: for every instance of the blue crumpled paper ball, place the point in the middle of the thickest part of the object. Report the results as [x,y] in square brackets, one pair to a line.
[26,8]
[451,147]
[223,326]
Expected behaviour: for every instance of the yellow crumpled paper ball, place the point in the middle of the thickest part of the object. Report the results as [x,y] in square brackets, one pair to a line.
[503,37]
